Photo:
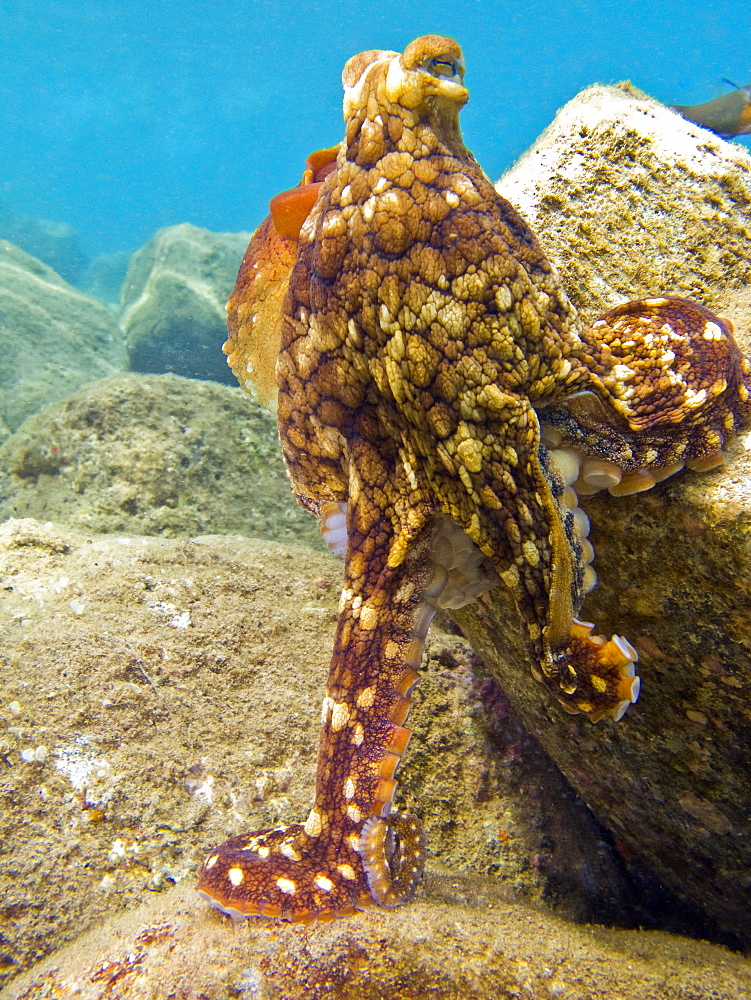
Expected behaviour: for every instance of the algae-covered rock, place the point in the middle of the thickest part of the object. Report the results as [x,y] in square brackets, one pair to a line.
[172,302]
[53,338]
[150,696]
[628,199]
[153,454]
[158,695]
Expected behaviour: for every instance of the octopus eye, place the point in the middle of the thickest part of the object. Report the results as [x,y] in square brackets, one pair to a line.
[446,68]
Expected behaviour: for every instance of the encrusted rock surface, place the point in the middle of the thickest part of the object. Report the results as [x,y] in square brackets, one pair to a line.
[158,695]
[153,454]
[173,298]
[53,338]
[629,199]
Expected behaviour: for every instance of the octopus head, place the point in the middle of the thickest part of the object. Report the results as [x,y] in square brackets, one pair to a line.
[429,74]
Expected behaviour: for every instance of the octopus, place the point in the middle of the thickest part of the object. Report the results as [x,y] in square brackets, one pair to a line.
[441,407]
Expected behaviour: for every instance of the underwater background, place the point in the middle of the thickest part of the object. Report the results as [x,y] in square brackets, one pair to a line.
[167,608]
[120,118]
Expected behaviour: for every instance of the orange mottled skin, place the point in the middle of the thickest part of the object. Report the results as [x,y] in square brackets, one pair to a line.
[421,332]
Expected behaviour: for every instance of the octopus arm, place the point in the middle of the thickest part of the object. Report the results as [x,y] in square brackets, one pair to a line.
[672,386]
[503,489]
[350,850]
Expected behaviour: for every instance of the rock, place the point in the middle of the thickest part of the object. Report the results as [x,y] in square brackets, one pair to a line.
[159,695]
[56,244]
[172,306]
[464,941]
[153,454]
[628,199]
[104,276]
[53,338]
[671,780]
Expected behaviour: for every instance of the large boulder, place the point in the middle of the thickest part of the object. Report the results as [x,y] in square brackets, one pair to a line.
[53,338]
[153,454]
[628,199]
[671,780]
[172,302]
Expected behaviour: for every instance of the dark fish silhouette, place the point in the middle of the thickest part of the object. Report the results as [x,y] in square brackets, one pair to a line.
[727,116]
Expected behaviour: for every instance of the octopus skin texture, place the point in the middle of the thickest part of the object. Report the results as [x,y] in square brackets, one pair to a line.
[440,407]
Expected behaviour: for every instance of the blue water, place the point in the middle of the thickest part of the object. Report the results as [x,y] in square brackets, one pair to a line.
[121,117]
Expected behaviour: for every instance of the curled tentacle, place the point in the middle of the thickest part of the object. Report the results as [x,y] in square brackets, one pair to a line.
[393,851]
